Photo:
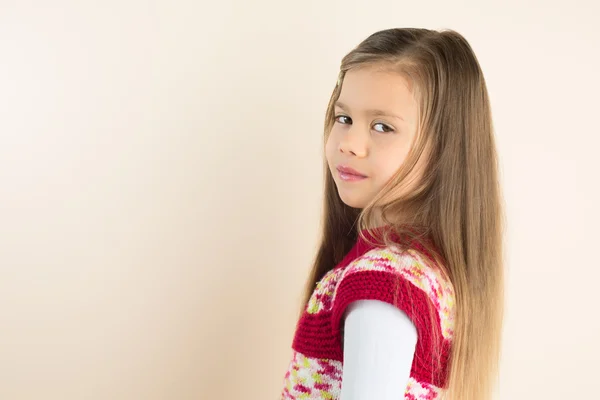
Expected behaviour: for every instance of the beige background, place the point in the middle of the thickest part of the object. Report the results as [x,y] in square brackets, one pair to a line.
[160,188]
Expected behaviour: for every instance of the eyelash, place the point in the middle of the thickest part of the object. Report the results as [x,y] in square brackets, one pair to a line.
[387,129]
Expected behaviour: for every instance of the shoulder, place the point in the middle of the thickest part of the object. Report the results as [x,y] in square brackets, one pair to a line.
[409,264]
[404,278]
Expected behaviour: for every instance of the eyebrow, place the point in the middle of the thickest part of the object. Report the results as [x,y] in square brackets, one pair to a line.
[374,112]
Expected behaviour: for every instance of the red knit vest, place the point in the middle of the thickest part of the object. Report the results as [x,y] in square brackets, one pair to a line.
[370,272]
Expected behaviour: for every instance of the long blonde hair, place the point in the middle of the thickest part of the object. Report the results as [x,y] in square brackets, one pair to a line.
[455,211]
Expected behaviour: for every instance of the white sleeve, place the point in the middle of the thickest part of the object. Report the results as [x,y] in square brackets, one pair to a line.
[379,346]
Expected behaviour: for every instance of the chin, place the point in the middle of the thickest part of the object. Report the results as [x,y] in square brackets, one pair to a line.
[352,201]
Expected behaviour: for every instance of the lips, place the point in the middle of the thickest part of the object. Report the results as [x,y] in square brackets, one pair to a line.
[350,171]
[347,174]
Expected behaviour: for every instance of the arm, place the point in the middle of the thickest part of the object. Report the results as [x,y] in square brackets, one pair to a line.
[379,346]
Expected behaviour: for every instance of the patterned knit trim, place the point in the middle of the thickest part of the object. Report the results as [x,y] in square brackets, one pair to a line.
[323,293]
[416,390]
[312,378]
[317,379]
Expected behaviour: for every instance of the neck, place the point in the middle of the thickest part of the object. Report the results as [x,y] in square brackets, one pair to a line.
[378,222]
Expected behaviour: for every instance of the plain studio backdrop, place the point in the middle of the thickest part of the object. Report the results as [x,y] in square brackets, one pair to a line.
[161,183]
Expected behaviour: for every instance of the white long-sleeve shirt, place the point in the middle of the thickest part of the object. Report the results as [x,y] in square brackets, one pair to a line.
[379,345]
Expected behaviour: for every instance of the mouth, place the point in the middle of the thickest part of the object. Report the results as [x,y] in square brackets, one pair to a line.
[349,174]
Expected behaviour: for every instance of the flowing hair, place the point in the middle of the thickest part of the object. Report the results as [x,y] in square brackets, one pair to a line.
[453,212]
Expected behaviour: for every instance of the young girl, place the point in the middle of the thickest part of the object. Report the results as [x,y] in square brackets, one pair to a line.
[405,299]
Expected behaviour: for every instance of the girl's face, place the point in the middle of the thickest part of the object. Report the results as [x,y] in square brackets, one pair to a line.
[375,124]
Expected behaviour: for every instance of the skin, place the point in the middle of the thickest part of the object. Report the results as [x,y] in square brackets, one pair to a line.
[376,120]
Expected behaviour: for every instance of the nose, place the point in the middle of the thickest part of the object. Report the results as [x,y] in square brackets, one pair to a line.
[354,141]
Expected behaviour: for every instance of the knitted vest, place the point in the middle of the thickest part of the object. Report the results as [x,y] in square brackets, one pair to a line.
[380,273]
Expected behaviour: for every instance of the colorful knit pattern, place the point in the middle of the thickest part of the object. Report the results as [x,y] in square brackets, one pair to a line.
[403,279]
[312,378]
[323,294]
[416,390]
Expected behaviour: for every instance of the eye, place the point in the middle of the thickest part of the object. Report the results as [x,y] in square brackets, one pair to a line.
[342,119]
[384,128]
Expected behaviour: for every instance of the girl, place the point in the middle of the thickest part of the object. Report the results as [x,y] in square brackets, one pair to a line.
[405,298]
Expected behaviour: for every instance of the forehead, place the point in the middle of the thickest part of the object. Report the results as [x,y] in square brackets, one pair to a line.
[376,88]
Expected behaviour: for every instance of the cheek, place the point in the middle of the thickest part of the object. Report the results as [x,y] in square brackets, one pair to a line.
[388,164]
[330,147]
